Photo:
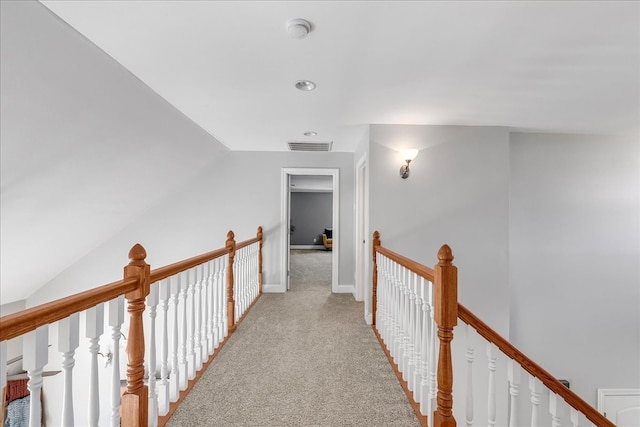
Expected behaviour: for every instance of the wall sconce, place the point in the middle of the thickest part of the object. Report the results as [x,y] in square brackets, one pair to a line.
[407,155]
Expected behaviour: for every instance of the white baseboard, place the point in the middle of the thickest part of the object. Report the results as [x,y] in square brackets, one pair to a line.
[273,289]
[319,247]
[346,289]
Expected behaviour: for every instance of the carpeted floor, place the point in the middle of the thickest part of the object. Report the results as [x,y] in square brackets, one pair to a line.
[304,358]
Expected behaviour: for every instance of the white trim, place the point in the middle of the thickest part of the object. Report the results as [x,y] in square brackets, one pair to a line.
[272,289]
[604,392]
[284,221]
[345,289]
[363,261]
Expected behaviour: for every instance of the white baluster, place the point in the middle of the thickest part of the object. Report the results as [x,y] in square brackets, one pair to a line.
[68,341]
[410,315]
[216,302]
[388,300]
[183,284]
[470,357]
[152,303]
[115,320]
[491,393]
[35,350]
[514,386]
[174,381]
[433,387]
[397,316]
[535,389]
[426,339]
[163,387]
[223,303]
[212,308]
[197,340]
[191,356]
[221,312]
[237,284]
[94,318]
[204,340]
[574,417]
[404,322]
[418,338]
[554,409]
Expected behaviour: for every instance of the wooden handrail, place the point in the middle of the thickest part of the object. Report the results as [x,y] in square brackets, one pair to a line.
[534,369]
[247,243]
[16,324]
[407,263]
[175,268]
[138,279]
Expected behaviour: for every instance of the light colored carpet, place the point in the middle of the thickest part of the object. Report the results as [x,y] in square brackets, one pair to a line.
[304,358]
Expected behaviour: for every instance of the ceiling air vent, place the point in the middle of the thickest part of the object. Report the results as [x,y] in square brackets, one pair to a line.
[309,146]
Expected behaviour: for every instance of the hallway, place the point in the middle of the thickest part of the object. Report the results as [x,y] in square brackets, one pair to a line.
[304,358]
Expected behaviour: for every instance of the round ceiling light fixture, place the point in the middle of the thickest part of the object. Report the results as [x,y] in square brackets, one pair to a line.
[298,28]
[310,133]
[305,85]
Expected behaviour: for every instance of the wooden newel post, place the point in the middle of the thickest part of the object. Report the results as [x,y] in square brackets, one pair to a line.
[260,261]
[231,303]
[135,400]
[446,317]
[374,289]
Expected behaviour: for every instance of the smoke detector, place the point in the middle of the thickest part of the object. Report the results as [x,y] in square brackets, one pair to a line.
[298,28]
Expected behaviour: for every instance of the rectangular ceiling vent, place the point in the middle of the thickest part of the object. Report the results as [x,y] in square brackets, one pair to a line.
[309,146]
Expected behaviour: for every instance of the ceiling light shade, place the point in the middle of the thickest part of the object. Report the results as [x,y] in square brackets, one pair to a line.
[298,28]
[305,85]
[310,133]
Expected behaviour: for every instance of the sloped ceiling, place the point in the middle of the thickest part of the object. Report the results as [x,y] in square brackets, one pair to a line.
[88,142]
[561,66]
[85,148]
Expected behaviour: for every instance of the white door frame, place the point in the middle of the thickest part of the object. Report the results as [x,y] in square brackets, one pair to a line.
[284,222]
[363,241]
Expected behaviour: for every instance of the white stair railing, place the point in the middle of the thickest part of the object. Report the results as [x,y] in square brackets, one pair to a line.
[94,328]
[68,342]
[547,402]
[412,304]
[116,319]
[404,324]
[186,322]
[35,350]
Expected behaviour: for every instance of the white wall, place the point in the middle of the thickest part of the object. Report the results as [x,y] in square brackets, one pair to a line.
[574,259]
[86,147]
[457,194]
[240,193]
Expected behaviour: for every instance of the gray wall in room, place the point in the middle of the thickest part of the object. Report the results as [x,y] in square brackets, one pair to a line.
[545,230]
[574,257]
[311,213]
[457,194]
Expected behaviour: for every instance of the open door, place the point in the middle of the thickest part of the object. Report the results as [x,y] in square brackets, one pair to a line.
[287,173]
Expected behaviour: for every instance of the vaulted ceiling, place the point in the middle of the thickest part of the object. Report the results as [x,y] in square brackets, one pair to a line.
[79,130]
[230,66]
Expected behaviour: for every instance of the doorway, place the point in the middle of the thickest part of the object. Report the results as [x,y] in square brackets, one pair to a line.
[287,175]
[363,240]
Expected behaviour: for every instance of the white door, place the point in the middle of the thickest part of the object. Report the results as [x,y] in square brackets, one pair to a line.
[620,406]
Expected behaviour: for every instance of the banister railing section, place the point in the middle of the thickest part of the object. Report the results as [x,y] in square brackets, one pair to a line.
[201,300]
[412,305]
